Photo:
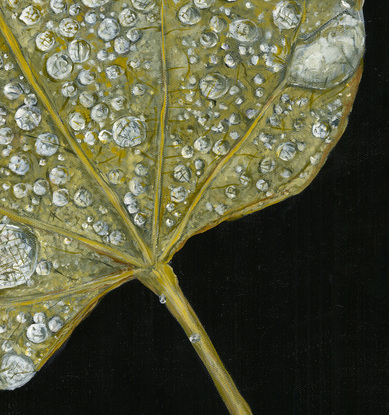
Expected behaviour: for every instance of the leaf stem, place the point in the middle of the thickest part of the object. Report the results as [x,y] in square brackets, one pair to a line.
[163,282]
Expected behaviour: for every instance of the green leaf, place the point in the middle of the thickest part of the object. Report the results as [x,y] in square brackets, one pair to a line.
[126,129]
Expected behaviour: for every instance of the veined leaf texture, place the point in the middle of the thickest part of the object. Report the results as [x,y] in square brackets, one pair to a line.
[128,127]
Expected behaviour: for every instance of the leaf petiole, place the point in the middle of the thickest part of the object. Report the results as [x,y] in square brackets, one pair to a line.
[163,282]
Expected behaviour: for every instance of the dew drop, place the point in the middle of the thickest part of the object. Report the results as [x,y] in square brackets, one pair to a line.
[189,15]
[28,117]
[46,144]
[129,132]
[195,338]
[15,371]
[18,255]
[37,333]
[214,86]
[55,324]
[59,66]
[321,130]
[19,164]
[6,136]
[60,197]
[244,30]
[79,51]
[83,198]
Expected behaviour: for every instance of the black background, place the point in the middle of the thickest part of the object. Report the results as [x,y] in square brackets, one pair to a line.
[295,299]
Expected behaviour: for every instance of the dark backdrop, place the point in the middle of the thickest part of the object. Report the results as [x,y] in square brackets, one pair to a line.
[294,297]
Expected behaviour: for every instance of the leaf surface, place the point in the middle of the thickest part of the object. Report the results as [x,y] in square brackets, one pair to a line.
[127,128]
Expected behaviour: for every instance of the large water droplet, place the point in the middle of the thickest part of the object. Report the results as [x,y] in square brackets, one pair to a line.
[214,86]
[18,248]
[15,371]
[244,30]
[59,66]
[287,15]
[189,15]
[46,144]
[129,132]
[37,333]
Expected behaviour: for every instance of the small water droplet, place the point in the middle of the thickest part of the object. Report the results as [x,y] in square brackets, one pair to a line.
[195,338]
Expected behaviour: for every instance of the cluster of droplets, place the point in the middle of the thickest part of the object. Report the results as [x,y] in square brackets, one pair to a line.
[25,338]
[293,132]
[233,54]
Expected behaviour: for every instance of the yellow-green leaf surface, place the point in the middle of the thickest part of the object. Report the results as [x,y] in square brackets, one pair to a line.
[128,127]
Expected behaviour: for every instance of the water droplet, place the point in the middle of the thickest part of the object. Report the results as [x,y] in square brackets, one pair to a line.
[267,165]
[55,324]
[95,3]
[287,15]
[209,39]
[140,219]
[214,86]
[134,35]
[109,28]
[30,15]
[46,144]
[68,27]
[77,121]
[203,144]
[221,147]
[231,192]
[203,4]
[37,333]
[13,90]
[195,338]
[244,30]
[116,237]
[15,371]
[19,164]
[79,51]
[189,15]
[122,45]
[60,197]
[45,41]
[39,317]
[129,132]
[59,66]
[131,203]
[262,185]
[321,130]
[187,152]
[116,176]
[99,112]
[69,89]
[43,267]
[137,186]
[83,198]
[6,136]
[286,151]
[18,255]
[162,299]
[127,17]
[101,228]
[217,24]
[143,5]
[28,117]
[41,187]
[141,170]
[59,175]
[20,190]
[178,194]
